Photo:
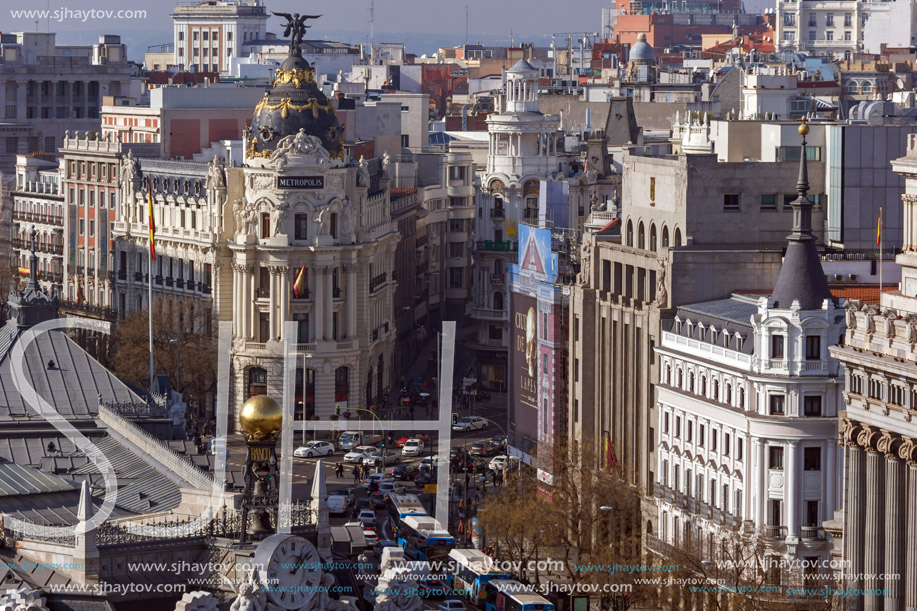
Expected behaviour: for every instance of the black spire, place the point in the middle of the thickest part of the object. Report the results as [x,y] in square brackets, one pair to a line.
[33,260]
[801,277]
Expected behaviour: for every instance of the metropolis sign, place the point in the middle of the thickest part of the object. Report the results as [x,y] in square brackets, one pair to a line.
[300,182]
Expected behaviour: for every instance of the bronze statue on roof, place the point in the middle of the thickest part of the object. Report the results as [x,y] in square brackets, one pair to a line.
[296,25]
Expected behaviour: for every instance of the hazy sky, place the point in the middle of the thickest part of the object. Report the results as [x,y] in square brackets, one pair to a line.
[421,21]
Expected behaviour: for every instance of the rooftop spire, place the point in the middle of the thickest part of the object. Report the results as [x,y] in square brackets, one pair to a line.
[801,277]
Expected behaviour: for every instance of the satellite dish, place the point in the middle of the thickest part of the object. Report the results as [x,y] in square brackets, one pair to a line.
[900,84]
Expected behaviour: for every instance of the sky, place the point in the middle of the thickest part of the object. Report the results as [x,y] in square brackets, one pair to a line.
[422,24]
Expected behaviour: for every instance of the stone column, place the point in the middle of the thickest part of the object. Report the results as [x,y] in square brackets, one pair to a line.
[760,481]
[272,303]
[792,488]
[874,541]
[329,305]
[351,302]
[894,524]
[908,451]
[854,513]
[251,311]
[830,480]
[283,280]
[237,288]
[319,304]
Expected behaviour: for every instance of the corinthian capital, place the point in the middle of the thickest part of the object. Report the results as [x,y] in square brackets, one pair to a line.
[888,444]
[868,437]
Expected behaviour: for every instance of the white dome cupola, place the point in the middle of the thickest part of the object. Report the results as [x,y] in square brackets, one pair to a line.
[522,88]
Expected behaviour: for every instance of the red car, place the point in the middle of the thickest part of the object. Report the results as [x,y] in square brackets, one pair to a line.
[420,436]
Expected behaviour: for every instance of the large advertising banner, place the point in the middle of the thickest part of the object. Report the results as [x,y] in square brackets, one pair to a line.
[535,253]
[524,362]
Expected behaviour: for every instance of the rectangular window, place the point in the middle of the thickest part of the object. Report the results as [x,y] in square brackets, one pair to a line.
[712,499]
[740,448]
[768,201]
[92,228]
[700,436]
[726,444]
[665,423]
[301,226]
[813,347]
[690,431]
[812,406]
[778,405]
[775,457]
[456,277]
[731,202]
[812,34]
[811,459]
[777,347]
[677,427]
[713,440]
[829,20]
[848,36]
[495,332]
[829,35]
[82,226]
[456,250]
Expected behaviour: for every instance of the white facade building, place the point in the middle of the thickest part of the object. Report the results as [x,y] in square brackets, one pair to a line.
[747,400]
[892,24]
[523,146]
[821,27]
[208,34]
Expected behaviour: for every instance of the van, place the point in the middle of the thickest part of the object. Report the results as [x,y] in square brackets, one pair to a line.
[351,439]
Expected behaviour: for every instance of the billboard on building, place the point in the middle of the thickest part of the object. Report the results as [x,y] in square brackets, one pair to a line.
[523,362]
[535,253]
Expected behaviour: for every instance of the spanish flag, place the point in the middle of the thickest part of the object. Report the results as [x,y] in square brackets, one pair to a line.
[879,231]
[299,287]
[152,223]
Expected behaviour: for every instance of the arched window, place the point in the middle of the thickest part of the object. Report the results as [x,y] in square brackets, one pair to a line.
[703,386]
[257,381]
[653,237]
[665,237]
[691,382]
[498,300]
[716,390]
[668,375]
[341,384]
[678,237]
[729,394]
[641,237]
[630,233]
[681,379]
[741,397]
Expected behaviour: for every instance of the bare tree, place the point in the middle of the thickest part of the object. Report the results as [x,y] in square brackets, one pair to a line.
[183,348]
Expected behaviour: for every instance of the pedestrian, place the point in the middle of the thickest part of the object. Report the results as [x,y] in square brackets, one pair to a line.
[339,470]
[356,474]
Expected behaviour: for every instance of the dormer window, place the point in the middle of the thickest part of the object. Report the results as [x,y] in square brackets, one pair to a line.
[813,347]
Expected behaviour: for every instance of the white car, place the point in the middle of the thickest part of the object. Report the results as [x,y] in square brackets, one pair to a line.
[412,447]
[387,487]
[451,605]
[498,463]
[313,449]
[339,503]
[358,454]
[371,537]
[470,423]
[375,458]
[367,517]
[429,461]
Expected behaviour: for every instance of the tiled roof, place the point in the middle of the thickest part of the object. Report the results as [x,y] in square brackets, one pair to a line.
[867,293]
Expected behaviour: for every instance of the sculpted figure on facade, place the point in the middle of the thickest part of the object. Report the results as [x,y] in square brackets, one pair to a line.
[128,168]
[662,295]
[386,163]
[299,143]
[851,316]
[278,214]
[362,173]
[215,177]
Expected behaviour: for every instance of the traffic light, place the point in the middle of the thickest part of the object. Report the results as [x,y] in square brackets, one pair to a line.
[454,419]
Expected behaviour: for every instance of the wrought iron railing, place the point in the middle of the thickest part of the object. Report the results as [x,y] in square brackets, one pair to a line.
[138,410]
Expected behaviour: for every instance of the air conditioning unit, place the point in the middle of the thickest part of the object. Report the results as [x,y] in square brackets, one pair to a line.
[852,277]
[838,277]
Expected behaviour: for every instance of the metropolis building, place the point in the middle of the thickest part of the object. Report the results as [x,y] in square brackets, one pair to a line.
[305,209]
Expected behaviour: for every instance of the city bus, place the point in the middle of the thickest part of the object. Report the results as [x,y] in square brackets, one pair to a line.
[469,571]
[512,595]
[401,506]
[424,538]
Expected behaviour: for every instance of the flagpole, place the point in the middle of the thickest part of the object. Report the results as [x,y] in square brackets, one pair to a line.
[150,286]
[880,254]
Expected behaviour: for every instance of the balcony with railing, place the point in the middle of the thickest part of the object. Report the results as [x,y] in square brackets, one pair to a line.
[179,283]
[377,282]
[780,364]
[496,246]
[91,310]
[815,533]
[497,279]
[262,293]
[816,365]
[488,314]
[775,532]
[498,214]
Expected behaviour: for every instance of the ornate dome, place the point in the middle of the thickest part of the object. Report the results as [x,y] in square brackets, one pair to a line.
[293,103]
[261,418]
[641,51]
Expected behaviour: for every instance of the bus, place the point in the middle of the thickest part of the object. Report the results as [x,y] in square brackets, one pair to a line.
[401,506]
[469,571]
[512,595]
[424,538]
[352,439]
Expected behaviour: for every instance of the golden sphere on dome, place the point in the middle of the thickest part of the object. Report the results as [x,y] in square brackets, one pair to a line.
[261,418]
[804,128]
